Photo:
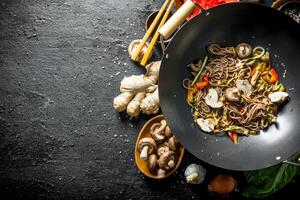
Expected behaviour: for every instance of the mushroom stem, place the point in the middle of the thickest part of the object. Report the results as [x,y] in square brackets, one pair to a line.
[161,173]
[171,163]
[192,177]
[144,153]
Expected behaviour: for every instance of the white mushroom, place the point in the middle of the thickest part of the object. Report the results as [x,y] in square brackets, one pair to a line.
[157,131]
[172,143]
[167,160]
[195,174]
[146,146]
[152,162]
[168,132]
[211,99]
[278,97]
[244,86]
[162,148]
[206,125]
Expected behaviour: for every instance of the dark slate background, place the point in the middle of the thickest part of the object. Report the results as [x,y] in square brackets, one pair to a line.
[61,62]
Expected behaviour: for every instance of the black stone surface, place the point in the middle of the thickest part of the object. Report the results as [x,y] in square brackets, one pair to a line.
[61,62]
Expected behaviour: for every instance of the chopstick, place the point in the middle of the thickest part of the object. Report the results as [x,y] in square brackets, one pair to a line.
[156,35]
[150,30]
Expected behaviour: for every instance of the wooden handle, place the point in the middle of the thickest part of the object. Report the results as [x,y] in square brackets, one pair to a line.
[177,19]
[156,35]
[150,30]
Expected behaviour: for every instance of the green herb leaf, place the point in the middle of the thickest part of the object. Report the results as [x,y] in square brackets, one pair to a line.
[264,182]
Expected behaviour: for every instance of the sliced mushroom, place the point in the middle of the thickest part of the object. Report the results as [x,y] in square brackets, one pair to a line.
[243,50]
[232,94]
[206,125]
[146,146]
[162,148]
[168,132]
[195,174]
[152,161]
[172,143]
[133,46]
[278,97]
[167,160]
[244,86]
[211,99]
[157,131]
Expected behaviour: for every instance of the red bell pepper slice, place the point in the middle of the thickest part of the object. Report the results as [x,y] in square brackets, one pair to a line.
[233,136]
[203,84]
[272,76]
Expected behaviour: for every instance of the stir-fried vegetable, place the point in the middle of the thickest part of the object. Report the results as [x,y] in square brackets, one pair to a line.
[233,136]
[203,84]
[200,71]
[271,77]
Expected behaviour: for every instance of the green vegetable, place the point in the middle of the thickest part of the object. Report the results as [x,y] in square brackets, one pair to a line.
[200,71]
[264,182]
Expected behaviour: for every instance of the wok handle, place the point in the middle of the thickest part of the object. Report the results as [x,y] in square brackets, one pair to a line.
[292,163]
[177,19]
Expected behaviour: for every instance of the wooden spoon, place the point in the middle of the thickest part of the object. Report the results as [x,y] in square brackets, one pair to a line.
[142,165]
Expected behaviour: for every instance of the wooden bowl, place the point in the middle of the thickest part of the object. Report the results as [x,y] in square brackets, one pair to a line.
[141,164]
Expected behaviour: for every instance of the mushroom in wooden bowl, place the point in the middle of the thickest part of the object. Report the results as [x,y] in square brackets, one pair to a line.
[157,153]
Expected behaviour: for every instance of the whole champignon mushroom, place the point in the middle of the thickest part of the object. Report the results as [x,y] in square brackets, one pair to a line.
[172,143]
[152,161]
[211,99]
[162,148]
[146,146]
[167,160]
[157,131]
[243,50]
[244,86]
[168,132]
[232,94]
[278,97]
[194,174]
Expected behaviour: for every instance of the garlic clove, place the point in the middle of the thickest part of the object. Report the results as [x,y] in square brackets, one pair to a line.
[195,174]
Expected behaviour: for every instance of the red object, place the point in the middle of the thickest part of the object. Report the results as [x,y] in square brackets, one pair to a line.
[233,136]
[203,84]
[272,76]
[206,4]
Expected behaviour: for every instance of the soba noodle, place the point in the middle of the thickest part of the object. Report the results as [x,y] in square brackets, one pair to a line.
[254,110]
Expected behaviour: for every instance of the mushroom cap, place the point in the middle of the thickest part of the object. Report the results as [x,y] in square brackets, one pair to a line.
[232,94]
[278,97]
[152,162]
[156,133]
[172,143]
[147,141]
[243,50]
[162,148]
[165,158]
[168,132]
[211,99]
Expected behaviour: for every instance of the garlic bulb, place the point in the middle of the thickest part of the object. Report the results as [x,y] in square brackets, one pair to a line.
[195,174]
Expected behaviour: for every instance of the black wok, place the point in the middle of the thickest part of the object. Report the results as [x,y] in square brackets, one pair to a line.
[231,24]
